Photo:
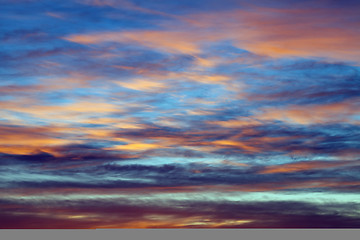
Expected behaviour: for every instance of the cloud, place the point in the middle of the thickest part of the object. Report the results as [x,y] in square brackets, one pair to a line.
[26,139]
[319,83]
[143,85]
[136,146]
[206,214]
[303,166]
[148,114]
[315,114]
[269,31]
[173,42]
[97,173]
[72,111]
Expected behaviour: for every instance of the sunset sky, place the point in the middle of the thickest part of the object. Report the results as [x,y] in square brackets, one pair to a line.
[179,114]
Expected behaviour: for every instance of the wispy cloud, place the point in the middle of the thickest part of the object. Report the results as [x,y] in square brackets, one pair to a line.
[179,114]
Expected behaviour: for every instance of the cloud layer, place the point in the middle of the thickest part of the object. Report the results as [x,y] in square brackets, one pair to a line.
[205,114]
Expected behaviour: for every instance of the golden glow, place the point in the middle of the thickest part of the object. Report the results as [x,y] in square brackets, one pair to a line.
[136,147]
[143,85]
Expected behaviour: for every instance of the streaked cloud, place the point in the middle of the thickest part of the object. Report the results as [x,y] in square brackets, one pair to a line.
[179,114]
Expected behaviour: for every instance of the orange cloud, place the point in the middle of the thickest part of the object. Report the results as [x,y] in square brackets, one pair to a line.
[236,144]
[143,85]
[136,147]
[27,140]
[170,221]
[170,41]
[265,31]
[236,123]
[302,166]
[150,80]
[287,32]
[334,112]
[65,112]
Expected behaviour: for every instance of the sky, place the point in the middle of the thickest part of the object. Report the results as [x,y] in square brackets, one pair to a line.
[179,114]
